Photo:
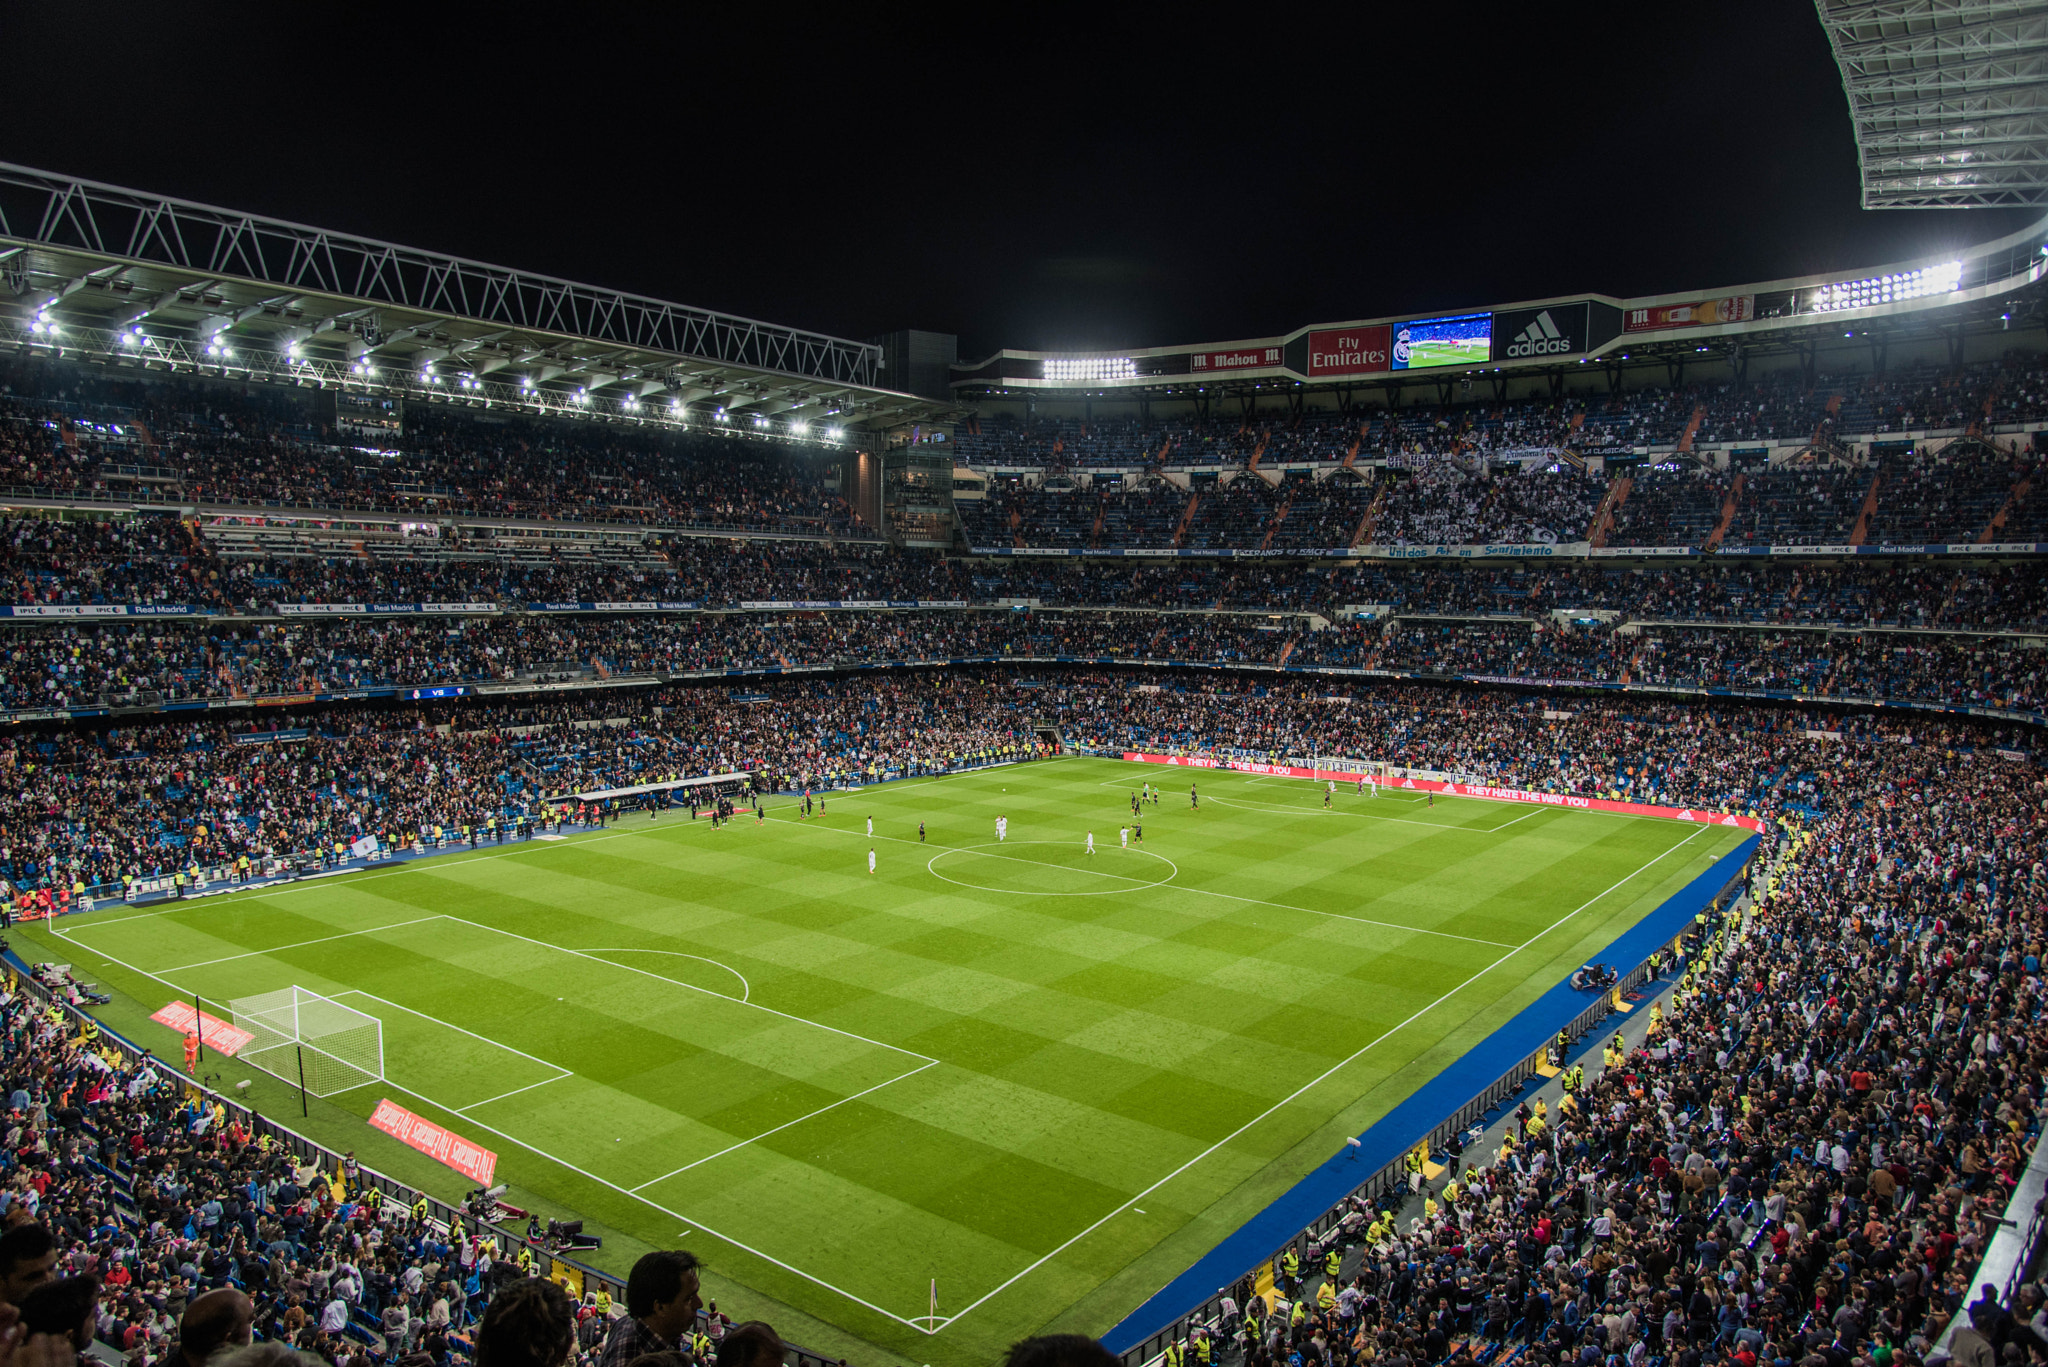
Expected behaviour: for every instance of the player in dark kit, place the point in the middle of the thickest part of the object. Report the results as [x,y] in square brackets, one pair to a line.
[1194,802]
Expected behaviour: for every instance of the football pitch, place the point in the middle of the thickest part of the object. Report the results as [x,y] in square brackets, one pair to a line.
[1048,1081]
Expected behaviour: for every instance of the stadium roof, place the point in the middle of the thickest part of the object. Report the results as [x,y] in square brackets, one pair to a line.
[1949,99]
[181,285]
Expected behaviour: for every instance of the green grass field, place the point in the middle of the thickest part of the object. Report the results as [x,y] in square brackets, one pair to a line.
[1047,1080]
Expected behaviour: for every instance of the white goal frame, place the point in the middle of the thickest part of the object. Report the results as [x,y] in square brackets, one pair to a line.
[310,1041]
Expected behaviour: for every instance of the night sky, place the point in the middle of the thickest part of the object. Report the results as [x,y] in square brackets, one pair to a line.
[1022,175]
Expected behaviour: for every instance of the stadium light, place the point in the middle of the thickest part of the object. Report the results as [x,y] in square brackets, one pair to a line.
[835,433]
[799,427]
[1090,368]
[1893,288]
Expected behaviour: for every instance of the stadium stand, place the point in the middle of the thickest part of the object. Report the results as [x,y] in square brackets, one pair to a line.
[1803,1160]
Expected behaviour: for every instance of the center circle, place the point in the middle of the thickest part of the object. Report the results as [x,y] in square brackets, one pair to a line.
[1052,868]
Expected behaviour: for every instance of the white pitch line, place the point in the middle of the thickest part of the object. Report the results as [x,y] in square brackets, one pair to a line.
[450,1025]
[692,987]
[564,1163]
[783,1126]
[1318,1080]
[677,1216]
[465,1110]
[1044,864]
[746,988]
[279,949]
[1171,886]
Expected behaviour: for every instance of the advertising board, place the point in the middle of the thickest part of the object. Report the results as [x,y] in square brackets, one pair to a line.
[1531,334]
[1350,351]
[1699,313]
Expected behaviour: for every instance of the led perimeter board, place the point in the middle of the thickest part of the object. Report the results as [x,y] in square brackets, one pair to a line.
[1459,339]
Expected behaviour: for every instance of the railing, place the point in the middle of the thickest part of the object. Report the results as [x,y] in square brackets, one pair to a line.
[546,1261]
[94,500]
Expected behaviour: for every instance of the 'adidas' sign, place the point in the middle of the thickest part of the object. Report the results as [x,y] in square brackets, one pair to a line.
[1540,338]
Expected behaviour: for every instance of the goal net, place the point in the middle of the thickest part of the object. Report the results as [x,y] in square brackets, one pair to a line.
[337,1046]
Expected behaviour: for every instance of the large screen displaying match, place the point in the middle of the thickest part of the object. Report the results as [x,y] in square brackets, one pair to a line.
[1460,339]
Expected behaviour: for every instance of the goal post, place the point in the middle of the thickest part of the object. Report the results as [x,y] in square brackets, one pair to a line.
[338,1047]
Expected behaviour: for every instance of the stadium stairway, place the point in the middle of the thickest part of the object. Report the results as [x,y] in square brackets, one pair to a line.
[2014,497]
[1603,516]
[1729,506]
[1187,517]
[1692,428]
[1868,512]
[1279,516]
[1362,535]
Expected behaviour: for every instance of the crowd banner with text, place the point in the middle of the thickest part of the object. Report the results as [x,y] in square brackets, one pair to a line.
[1700,313]
[1351,351]
[105,610]
[1449,788]
[380,609]
[473,1161]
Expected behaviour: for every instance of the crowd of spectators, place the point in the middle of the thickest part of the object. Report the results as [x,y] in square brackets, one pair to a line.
[1780,407]
[1443,501]
[149,1224]
[1801,1162]
[67,430]
[1469,472]
[1532,622]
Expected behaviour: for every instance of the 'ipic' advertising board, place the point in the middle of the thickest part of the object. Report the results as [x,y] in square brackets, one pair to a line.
[1532,334]
[1461,339]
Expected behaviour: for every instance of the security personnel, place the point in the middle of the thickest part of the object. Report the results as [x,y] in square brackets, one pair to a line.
[1412,1161]
[419,1210]
[88,1031]
[1326,1295]
[1290,1271]
[701,1346]
[1333,1264]
[604,1302]
[1174,1356]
